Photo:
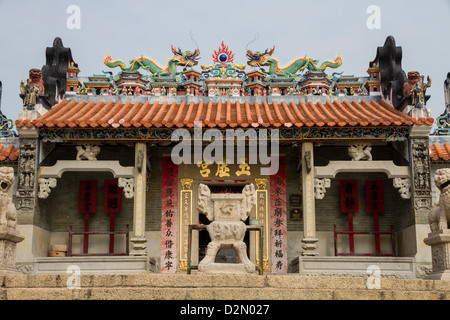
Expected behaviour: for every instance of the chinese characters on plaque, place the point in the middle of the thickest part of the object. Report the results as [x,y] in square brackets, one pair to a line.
[223,169]
[278,219]
[169,218]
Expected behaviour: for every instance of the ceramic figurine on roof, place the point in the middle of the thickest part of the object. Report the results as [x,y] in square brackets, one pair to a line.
[419,90]
[30,94]
[187,58]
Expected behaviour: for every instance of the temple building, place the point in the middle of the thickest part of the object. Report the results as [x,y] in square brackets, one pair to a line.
[113,179]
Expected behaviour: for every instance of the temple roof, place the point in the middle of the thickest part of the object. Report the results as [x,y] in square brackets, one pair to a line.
[227,114]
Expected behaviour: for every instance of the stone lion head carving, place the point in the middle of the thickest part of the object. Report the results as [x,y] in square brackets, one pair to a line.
[6,178]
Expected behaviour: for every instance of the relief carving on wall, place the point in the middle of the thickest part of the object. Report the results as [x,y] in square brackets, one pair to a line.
[27,174]
[421,174]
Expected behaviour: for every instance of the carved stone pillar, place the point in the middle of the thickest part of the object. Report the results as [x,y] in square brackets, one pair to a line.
[421,193]
[139,242]
[421,178]
[309,210]
[26,187]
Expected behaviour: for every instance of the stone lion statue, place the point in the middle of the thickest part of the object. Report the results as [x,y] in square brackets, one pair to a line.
[88,152]
[360,151]
[8,212]
[439,216]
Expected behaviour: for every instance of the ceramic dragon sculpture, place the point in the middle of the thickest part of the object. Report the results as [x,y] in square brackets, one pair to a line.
[187,58]
[259,59]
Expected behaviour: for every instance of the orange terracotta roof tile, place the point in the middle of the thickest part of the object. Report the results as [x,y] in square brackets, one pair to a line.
[8,153]
[71,114]
[440,153]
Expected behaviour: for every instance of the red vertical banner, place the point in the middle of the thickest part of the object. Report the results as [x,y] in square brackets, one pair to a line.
[375,205]
[112,204]
[349,205]
[278,219]
[87,197]
[169,217]
[112,200]
[87,204]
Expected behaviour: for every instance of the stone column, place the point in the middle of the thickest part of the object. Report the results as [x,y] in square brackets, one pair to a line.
[421,196]
[309,210]
[138,240]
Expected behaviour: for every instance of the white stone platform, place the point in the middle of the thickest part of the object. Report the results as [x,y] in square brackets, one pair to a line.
[355,266]
[96,264]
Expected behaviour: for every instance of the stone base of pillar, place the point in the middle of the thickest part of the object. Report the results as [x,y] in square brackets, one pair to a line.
[309,246]
[9,238]
[138,247]
[440,254]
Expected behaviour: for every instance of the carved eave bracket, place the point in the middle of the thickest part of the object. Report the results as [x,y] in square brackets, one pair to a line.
[127,184]
[404,187]
[45,186]
[320,187]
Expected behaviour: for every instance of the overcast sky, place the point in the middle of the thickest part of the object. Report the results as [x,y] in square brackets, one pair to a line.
[318,29]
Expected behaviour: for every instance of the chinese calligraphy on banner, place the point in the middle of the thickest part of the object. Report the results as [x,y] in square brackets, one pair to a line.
[169,218]
[112,201]
[185,221]
[88,196]
[278,219]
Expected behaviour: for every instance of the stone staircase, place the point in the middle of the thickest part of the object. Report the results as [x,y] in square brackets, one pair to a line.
[215,287]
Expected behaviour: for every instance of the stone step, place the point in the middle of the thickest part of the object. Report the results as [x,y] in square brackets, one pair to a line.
[216,287]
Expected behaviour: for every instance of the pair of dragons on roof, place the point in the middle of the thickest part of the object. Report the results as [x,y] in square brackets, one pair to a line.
[255,59]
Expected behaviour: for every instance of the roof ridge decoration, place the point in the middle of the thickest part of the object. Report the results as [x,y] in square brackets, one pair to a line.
[186,58]
[223,66]
[443,121]
[260,59]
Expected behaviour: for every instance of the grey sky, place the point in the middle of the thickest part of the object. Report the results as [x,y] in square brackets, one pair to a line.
[318,29]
